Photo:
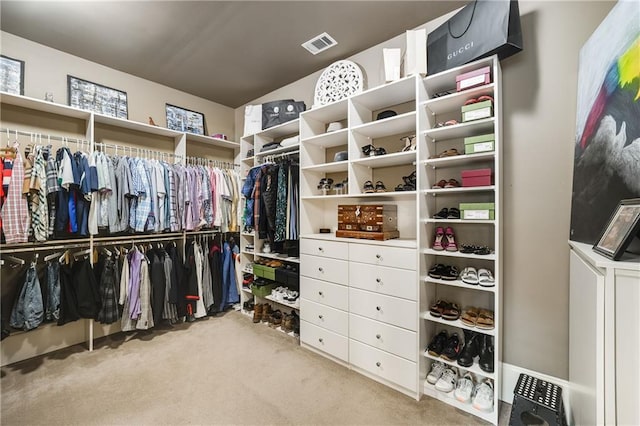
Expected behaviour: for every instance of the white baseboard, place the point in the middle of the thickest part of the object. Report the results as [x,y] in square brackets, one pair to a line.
[510,375]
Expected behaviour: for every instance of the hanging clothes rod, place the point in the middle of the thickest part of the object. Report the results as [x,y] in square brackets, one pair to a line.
[270,158]
[41,136]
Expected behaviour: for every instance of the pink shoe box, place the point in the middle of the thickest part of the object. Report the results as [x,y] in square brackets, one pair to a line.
[473,78]
[477,177]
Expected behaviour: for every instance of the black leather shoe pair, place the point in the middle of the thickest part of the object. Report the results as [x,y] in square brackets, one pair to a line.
[445,346]
[477,344]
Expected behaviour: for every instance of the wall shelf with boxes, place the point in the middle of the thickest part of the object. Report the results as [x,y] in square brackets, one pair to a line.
[460,177]
[265,270]
[61,125]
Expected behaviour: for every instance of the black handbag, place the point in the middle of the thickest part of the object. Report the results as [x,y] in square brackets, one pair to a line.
[278,112]
[482,28]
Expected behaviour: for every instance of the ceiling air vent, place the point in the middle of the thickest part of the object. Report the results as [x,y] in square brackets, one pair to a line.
[319,43]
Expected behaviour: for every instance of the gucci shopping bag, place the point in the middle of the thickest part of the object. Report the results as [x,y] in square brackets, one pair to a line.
[482,28]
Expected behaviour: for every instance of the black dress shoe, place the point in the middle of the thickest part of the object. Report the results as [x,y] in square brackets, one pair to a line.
[486,354]
[452,349]
[437,343]
[471,348]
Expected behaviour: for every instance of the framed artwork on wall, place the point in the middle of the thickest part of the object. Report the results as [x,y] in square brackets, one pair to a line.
[607,138]
[184,120]
[95,97]
[623,226]
[11,75]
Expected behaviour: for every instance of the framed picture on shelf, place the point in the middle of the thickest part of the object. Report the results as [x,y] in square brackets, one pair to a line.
[95,97]
[185,120]
[11,75]
[623,226]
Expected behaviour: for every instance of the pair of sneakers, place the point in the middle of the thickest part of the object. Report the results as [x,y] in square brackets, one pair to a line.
[445,379]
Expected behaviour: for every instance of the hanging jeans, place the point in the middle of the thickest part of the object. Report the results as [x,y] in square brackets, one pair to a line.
[229,290]
[52,310]
[28,310]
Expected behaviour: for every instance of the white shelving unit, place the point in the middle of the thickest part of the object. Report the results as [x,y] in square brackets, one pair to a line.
[434,140]
[256,142]
[39,117]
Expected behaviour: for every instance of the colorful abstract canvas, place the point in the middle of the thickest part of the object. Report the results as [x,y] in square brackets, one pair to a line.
[607,150]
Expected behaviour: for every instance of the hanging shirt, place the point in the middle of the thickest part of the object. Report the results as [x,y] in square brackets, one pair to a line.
[15,211]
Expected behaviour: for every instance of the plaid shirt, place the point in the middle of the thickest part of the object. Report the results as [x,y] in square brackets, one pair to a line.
[15,212]
[109,312]
[38,191]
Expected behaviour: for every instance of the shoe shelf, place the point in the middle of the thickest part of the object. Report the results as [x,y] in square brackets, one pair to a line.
[400,124]
[458,283]
[247,289]
[457,160]
[248,160]
[335,111]
[462,130]
[283,302]
[454,101]
[448,398]
[456,323]
[446,253]
[461,221]
[387,160]
[397,92]
[328,140]
[460,189]
[474,369]
[249,252]
[387,194]
[332,167]
[278,256]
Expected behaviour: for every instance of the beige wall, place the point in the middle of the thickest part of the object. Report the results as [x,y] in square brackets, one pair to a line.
[46,70]
[539,97]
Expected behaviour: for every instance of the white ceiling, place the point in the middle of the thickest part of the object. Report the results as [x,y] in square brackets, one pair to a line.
[229,52]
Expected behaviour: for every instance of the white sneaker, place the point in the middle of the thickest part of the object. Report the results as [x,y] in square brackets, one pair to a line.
[483,400]
[464,388]
[447,382]
[437,368]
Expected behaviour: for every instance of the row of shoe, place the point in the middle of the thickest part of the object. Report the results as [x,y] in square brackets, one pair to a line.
[467,390]
[445,240]
[448,213]
[272,263]
[247,280]
[262,312]
[409,183]
[451,183]
[469,275]
[452,349]
[284,294]
[326,185]
[471,316]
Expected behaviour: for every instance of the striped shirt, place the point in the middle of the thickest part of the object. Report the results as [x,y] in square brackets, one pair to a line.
[15,212]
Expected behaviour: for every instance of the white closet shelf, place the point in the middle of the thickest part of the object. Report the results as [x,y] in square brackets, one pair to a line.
[277,151]
[335,111]
[446,80]
[461,221]
[336,166]
[134,125]
[248,160]
[402,123]
[457,160]
[325,197]
[281,130]
[475,368]
[443,191]
[394,93]
[458,283]
[43,106]
[457,323]
[212,141]
[454,101]
[433,252]
[389,194]
[387,160]
[448,398]
[328,140]
[248,234]
[282,302]
[397,242]
[278,256]
[246,289]
[462,130]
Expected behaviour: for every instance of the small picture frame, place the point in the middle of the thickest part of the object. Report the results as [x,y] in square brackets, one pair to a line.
[622,227]
[184,120]
[11,75]
[95,97]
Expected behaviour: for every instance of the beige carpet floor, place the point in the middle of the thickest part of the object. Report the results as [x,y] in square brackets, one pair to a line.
[223,370]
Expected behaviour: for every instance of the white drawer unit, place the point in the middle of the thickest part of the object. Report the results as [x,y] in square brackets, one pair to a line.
[324,316]
[391,310]
[384,280]
[383,336]
[385,365]
[324,268]
[394,257]
[324,248]
[334,295]
[324,340]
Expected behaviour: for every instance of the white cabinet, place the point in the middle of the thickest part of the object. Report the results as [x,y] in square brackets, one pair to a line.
[604,338]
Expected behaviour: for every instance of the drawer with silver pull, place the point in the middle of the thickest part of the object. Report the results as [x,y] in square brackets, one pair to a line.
[330,294]
[392,310]
[394,257]
[324,248]
[324,268]
[387,366]
[383,336]
[324,316]
[324,340]
[381,279]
